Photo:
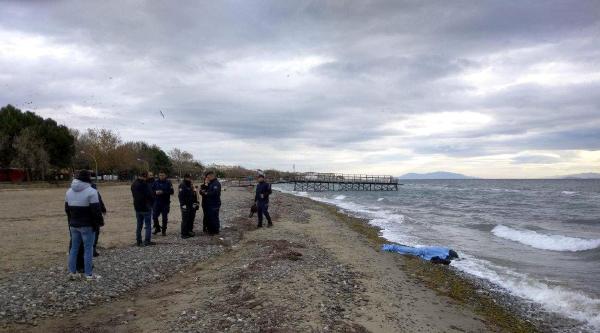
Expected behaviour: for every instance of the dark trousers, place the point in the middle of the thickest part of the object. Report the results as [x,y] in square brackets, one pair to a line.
[97,233]
[213,223]
[163,210]
[187,221]
[263,209]
[204,219]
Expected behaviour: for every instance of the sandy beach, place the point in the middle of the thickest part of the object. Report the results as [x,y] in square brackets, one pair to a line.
[317,270]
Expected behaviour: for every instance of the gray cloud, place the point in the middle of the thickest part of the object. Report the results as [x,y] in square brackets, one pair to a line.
[312,78]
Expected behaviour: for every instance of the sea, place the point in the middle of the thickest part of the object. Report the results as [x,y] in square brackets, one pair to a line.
[537,240]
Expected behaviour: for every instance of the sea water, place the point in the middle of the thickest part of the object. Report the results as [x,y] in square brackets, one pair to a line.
[535,239]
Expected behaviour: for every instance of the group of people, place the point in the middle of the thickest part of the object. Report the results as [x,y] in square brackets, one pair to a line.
[151,200]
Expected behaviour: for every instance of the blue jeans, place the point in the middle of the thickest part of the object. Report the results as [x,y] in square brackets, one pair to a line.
[143,218]
[78,235]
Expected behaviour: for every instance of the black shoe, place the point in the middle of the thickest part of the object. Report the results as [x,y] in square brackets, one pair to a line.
[149,243]
[96,253]
[259,226]
[270,224]
[185,236]
[156,231]
[164,232]
[139,243]
[192,234]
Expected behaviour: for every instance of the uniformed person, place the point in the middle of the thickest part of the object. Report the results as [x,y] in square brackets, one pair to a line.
[162,190]
[203,189]
[261,199]
[212,196]
[188,201]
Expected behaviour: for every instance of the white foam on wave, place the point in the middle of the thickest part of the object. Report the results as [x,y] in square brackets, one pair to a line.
[545,242]
[570,193]
[380,199]
[556,299]
[390,222]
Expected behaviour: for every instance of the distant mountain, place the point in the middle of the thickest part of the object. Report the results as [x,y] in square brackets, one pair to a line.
[435,175]
[587,175]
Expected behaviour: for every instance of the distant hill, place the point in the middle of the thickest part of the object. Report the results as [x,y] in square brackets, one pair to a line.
[587,175]
[435,175]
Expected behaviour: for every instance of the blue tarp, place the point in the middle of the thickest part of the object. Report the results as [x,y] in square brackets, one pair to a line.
[425,252]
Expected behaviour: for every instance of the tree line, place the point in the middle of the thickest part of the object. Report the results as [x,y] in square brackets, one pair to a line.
[44,149]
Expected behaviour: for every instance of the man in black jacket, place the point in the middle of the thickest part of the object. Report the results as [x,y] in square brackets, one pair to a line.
[188,202]
[212,196]
[142,203]
[84,214]
[263,191]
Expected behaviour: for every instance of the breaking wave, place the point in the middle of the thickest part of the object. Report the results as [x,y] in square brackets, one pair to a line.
[545,242]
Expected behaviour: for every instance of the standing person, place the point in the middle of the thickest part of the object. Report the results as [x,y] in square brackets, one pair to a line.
[80,255]
[142,203]
[97,230]
[203,189]
[263,191]
[82,206]
[162,190]
[212,195]
[188,202]
[150,181]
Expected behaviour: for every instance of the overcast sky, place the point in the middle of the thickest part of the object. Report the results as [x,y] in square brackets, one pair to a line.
[487,88]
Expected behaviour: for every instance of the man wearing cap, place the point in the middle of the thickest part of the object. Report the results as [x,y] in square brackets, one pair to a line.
[162,190]
[142,203]
[84,214]
[188,202]
[261,198]
[212,196]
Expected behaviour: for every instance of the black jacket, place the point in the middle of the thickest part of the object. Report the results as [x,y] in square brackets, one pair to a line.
[263,190]
[82,205]
[166,187]
[187,196]
[213,194]
[142,196]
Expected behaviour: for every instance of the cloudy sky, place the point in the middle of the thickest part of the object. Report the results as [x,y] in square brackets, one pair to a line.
[487,88]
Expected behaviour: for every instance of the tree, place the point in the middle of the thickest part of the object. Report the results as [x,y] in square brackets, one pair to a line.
[56,139]
[30,154]
[179,160]
[99,145]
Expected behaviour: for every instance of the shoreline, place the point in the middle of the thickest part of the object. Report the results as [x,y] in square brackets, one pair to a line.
[492,301]
[317,270]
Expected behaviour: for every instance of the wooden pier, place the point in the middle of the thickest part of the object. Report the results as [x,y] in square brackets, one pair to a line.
[318,182]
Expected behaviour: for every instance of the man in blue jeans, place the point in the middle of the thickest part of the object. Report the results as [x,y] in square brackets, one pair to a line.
[84,214]
[142,203]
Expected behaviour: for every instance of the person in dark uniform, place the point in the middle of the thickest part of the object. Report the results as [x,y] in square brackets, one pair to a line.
[188,202]
[203,189]
[263,191]
[162,190]
[212,196]
[97,230]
